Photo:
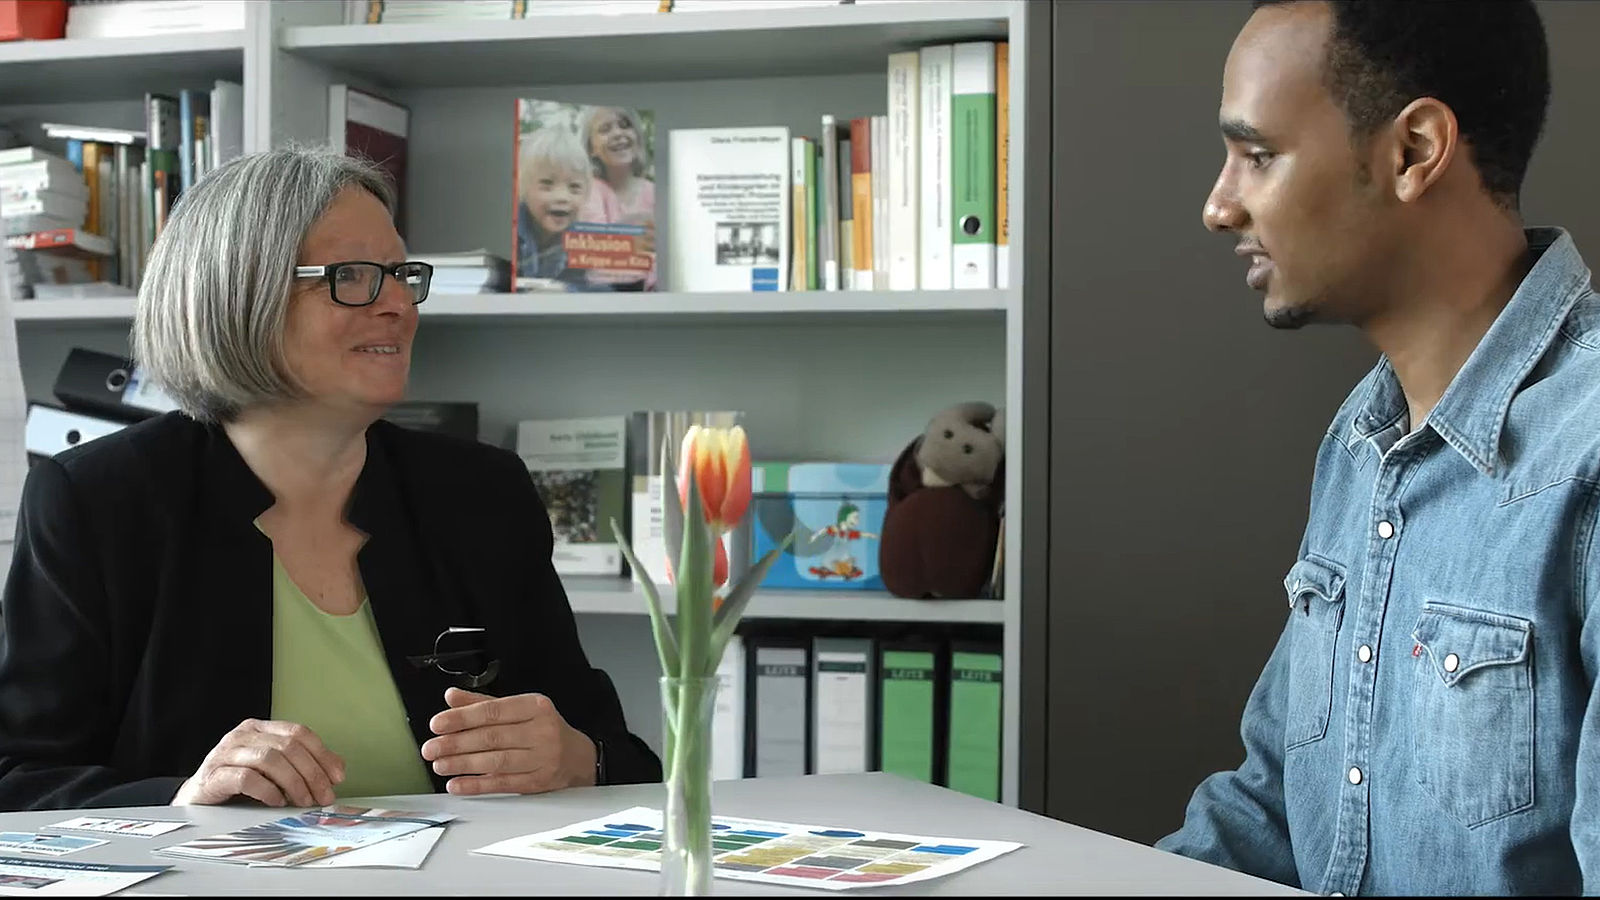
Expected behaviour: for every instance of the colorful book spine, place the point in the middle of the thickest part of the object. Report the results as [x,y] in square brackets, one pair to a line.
[861,200]
[905,186]
[880,203]
[801,248]
[828,239]
[934,244]
[847,214]
[972,204]
[1002,128]
[813,220]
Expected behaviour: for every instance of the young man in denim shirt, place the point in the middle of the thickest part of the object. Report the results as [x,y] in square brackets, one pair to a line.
[1427,723]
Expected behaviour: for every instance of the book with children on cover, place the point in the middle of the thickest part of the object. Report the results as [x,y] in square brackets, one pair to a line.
[584,179]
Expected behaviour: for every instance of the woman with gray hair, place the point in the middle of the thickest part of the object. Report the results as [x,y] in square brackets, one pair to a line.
[275,594]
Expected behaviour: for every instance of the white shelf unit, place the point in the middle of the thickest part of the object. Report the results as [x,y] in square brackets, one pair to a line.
[619,596]
[821,375]
[789,308]
[115,68]
[702,46]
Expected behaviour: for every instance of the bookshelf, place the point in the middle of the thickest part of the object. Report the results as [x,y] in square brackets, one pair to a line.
[851,375]
[799,308]
[617,596]
[115,68]
[682,47]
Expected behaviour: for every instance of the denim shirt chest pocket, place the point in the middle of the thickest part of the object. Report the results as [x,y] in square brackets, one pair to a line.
[1315,587]
[1472,739]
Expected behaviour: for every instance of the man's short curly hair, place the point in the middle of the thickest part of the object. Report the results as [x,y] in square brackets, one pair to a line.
[1485,59]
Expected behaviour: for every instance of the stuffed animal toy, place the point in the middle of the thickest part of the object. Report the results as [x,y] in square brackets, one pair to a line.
[945,494]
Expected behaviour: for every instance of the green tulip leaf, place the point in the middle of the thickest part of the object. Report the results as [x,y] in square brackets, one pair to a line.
[666,645]
[672,507]
[733,606]
[694,584]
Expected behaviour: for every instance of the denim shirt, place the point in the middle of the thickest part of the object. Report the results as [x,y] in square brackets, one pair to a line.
[1427,723]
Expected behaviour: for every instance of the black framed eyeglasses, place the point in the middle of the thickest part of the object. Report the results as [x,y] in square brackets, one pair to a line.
[462,653]
[358,281]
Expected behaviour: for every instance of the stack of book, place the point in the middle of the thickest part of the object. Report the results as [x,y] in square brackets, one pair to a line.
[39,191]
[43,201]
[473,272]
[91,205]
[142,18]
[374,12]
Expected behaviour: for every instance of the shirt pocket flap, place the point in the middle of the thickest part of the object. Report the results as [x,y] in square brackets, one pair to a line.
[1459,640]
[1313,578]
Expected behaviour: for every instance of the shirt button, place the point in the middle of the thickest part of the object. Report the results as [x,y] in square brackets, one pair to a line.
[1451,662]
[1385,530]
[1355,775]
[1364,653]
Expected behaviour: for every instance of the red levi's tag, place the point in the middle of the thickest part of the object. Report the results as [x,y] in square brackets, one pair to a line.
[1416,650]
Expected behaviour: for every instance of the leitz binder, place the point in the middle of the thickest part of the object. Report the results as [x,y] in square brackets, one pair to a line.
[842,716]
[109,386]
[49,430]
[778,705]
[974,709]
[908,691]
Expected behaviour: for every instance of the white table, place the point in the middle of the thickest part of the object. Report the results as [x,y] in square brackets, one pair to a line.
[1058,858]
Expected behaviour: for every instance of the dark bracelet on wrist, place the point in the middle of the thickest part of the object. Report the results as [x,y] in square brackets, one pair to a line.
[599,761]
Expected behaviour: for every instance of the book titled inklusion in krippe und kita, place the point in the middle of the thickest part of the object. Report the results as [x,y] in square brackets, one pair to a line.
[585,211]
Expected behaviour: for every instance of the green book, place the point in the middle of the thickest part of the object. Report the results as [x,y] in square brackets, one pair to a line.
[905,739]
[974,748]
[972,154]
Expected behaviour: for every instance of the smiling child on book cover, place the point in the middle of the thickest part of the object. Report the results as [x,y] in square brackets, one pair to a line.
[585,191]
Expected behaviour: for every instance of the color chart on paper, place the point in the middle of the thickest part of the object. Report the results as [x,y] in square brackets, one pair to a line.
[825,857]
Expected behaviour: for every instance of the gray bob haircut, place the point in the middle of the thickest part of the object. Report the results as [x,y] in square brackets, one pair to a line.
[208,324]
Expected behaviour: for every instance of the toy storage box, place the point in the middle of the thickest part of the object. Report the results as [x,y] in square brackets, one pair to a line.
[835,512]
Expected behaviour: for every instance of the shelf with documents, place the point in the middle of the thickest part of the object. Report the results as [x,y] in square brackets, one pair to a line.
[747,43]
[783,307]
[64,71]
[790,308]
[619,596]
[78,310]
[845,375]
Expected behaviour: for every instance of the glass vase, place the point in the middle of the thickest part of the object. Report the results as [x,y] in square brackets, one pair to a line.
[687,706]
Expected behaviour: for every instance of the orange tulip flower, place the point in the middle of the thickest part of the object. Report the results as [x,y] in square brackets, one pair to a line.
[721,461]
[719,566]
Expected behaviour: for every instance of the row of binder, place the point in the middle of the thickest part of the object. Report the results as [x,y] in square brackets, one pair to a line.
[99,393]
[924,707]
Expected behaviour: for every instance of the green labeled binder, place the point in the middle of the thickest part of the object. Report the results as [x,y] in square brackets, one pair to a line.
[974,737]
[906,723]
[972,154]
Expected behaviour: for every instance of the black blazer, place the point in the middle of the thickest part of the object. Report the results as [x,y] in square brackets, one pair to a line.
[136,624]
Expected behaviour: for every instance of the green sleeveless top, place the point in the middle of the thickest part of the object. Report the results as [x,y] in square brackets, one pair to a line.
[330,675]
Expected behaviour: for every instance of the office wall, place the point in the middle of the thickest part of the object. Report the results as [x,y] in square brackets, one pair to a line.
[1182,428]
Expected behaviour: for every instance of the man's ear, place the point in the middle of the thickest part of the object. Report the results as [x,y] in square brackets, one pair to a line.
[1427,137]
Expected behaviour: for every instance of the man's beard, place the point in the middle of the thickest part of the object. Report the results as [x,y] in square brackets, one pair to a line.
[1288,318]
